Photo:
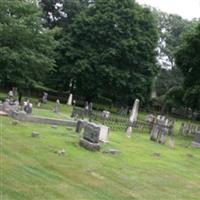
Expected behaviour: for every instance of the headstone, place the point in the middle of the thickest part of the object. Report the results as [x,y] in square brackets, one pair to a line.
[90,138]
[196,140]
[105,115]
[70,99]
[28,107]
[160,129]
[45,97]
[104,134]
[86,108]
[10,94]
[150,119]
[90,108]
[80,125]
[133,117]
[91,133]
[6,107]
[57,106]
[35,134]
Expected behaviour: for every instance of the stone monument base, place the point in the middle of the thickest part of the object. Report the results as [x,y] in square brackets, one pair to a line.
[89,145]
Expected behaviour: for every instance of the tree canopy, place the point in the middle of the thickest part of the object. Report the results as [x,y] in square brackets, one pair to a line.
[109,51]
[26,47]
[188,60]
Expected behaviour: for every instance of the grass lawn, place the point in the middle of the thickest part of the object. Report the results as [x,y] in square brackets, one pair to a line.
[30,170]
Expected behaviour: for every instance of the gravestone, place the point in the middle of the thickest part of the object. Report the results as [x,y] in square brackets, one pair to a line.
[70,99]
[80,125]
[104,134]
[57,106]
[91,133]
[90,138]
[28,107]
[35,134]
[44,98]
[133,117]
[196,140]
[90,108]
[105,115]
[160,129]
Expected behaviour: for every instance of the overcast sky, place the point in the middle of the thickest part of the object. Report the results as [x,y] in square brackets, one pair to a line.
[186,8]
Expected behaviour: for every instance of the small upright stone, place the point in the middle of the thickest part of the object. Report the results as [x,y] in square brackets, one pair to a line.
[35,134]
[57,106]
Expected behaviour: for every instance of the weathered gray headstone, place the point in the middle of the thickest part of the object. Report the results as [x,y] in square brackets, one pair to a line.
[57,106]
[90,138]
[160,129]
[45,97]
[91,133]
[80,125]
[196,140]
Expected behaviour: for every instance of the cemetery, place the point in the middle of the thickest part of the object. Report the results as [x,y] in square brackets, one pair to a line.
[90,153]
[99,100]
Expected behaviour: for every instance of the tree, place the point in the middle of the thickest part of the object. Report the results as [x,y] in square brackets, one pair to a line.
[26,48]
[188,60]
[171,29]
[110,51]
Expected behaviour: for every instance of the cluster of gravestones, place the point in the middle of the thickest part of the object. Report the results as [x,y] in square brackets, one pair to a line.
[189,129]
[161,127]
[93,134]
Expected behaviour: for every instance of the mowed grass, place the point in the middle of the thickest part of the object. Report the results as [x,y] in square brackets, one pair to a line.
[30,170]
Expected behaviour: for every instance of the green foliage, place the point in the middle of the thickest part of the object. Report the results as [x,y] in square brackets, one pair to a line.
[109,51]
[26,48]
[171,29]
[188,60]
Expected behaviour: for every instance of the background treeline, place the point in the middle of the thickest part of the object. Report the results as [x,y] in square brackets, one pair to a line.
[101,50]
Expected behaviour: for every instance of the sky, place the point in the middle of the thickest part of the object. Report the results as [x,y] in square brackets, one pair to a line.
[188,9]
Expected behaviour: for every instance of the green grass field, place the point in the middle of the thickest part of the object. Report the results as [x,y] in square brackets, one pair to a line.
[30,170]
